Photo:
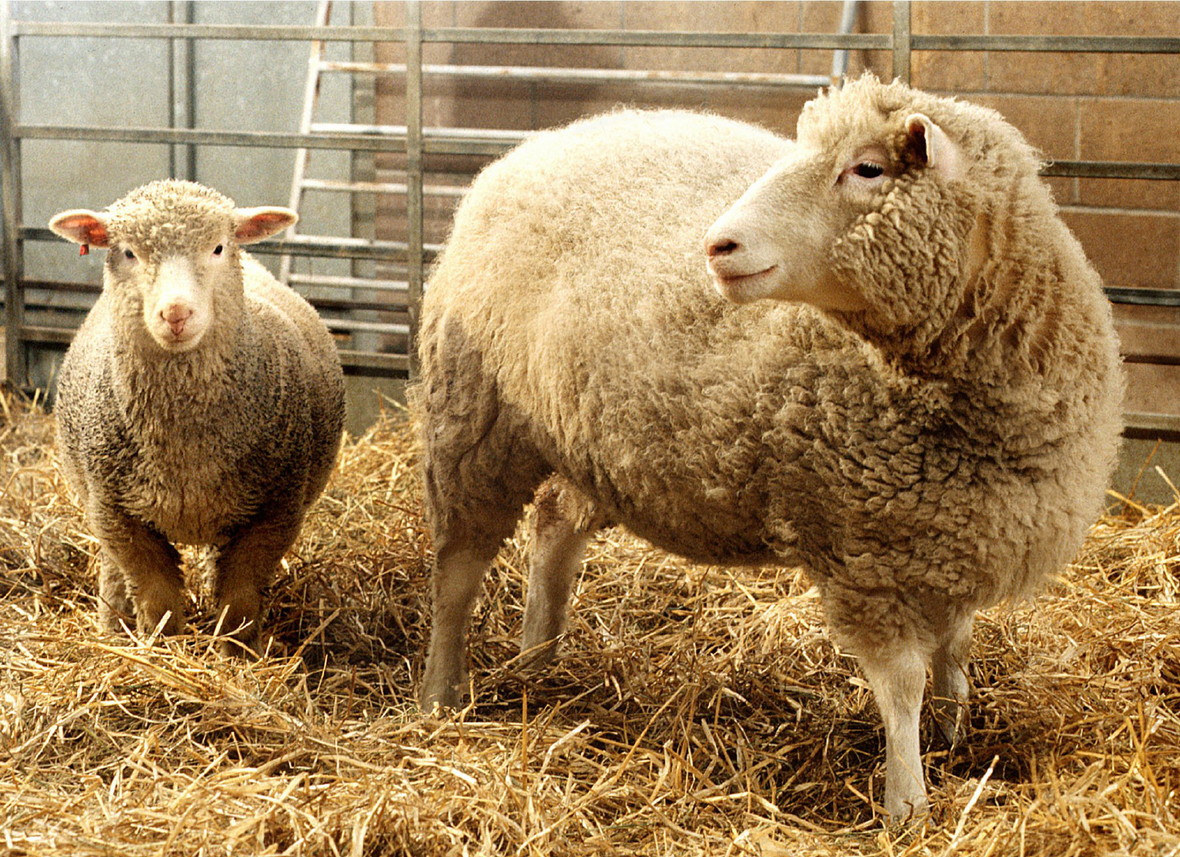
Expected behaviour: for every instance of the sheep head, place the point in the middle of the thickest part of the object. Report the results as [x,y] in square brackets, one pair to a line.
[871,217]
[173,264]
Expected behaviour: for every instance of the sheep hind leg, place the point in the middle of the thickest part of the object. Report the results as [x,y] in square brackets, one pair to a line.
[460,565]
[562,527]
[951,687]
[114,601]
[898,679]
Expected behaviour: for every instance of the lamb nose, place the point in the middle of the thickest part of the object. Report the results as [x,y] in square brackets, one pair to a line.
[176,316]
[720,247]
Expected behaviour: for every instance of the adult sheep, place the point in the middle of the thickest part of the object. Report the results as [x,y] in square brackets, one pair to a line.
[201,402]
[925,416]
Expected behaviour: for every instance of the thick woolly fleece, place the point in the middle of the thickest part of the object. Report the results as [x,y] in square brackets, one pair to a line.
[226,444]
[942,449]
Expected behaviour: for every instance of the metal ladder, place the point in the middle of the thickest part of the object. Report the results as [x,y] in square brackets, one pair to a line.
[395,292]
[387,295]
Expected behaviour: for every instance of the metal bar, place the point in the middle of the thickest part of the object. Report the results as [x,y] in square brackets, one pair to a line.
[414,152]
[343,324]
[902,36]
[386,138]
[1162,426]
[1112,170]
[635,38]
[584,75]
[460,35]
[305,245]
[13,264]
[840,57]
[311,91]
[376,363]
[182,160]
[1143,297]
[328,281]
[1053,44]
[278,140]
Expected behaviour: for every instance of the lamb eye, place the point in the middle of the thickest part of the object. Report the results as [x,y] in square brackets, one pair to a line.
[128,254]
[868,170]
[217,250]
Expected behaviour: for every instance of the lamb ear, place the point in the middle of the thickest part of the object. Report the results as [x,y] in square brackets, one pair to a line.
[254,224]
[82,227]
[932,147]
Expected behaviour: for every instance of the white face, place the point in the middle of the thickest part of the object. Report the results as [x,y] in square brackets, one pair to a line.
[775,241]
[176,292]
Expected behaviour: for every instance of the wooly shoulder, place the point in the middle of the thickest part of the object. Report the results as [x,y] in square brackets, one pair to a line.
[201,402]
[925,415]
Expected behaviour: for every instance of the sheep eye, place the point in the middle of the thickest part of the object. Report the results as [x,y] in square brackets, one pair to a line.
[868,170]
[217,250]
[128,254]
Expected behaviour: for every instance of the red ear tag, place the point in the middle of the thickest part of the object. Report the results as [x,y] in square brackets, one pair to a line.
[84,250]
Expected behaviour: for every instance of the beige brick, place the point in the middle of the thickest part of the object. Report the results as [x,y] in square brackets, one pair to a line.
[1136,250]
[1135,131]
[1049,123]
[944,70]
[1085,73]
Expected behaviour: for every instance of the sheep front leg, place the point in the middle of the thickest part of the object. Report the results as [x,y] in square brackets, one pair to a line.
[242,570]
[898,679]
[951,688]
[139,572]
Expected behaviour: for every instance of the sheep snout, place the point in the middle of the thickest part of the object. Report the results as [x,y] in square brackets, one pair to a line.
[175,315]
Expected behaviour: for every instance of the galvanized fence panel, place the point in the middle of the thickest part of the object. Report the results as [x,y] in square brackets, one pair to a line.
[415,141]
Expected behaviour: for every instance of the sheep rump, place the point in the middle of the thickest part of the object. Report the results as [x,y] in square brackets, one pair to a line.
[937,446]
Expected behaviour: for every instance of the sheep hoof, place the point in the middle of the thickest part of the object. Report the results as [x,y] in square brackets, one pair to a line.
[950,716]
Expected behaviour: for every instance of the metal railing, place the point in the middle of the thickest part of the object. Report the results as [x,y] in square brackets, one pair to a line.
[415,141]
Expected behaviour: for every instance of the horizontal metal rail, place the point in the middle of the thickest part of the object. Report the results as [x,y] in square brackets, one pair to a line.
[454,141]
[301,245]
[586,75]
[622,38]
[458,35]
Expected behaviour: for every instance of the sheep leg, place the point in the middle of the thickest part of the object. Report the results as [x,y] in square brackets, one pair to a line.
[898,679]
[242,570]
[559,543]
[137,561]
[951,688]
[458,573]
[114,602]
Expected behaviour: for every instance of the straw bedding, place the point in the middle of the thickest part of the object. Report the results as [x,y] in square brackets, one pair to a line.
[696,711]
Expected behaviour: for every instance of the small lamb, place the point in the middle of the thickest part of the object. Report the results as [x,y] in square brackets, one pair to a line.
[924,415]
[201,402]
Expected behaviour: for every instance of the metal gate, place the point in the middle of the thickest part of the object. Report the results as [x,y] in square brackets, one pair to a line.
[347,300]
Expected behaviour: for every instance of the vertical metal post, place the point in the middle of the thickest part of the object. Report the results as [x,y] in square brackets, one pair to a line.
[414,167]
[14,351]
[182,157]
[901,40]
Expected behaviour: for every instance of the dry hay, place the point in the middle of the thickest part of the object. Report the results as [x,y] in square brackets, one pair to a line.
[696,710]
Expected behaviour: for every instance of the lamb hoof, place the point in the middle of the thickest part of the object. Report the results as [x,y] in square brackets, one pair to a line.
[536,656]
[950,716]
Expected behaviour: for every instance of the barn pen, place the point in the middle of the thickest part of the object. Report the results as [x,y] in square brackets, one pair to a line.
[695,710]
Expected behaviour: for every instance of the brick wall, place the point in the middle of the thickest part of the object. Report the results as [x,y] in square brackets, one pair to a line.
[1072,106]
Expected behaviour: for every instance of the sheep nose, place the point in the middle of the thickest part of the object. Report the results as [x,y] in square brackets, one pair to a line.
[720,247]
[175,315]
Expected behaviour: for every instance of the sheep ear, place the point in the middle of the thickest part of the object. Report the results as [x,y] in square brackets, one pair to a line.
[932,147]
[254,224]
[82,227]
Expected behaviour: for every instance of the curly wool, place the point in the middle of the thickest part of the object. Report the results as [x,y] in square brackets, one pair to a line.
[202,445]
[938,450]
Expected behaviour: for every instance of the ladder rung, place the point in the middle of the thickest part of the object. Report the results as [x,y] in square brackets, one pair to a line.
[380,187]
[326,281]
